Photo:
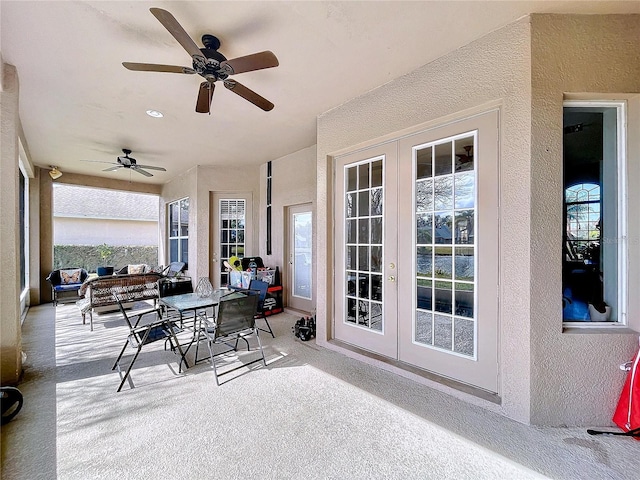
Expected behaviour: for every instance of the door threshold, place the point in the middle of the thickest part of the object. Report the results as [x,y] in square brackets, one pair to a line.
[427,375]
[295,311]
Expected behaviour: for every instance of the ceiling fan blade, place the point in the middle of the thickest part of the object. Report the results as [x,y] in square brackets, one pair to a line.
[249,95]
[248,63]
[170,23]
[111,169]
[98,161]
[143,172]
[151,167]
[152,67]
[205,95]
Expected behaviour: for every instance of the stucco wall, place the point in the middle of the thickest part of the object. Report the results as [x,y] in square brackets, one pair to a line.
[493,70]
[10,334]
[575,376]
[293,183]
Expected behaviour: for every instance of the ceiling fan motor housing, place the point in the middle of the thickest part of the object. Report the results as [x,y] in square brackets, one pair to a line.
[126,161]
[211,68]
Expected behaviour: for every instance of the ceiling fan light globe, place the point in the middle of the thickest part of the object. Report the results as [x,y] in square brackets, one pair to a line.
[54,173]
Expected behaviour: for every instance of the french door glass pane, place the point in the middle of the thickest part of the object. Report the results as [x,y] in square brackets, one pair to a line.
[302,255]
[232,231]
[364,209]
[445,245]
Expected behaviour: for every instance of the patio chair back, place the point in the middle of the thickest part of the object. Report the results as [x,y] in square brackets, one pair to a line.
[261,287]
[236,314]
[175,268]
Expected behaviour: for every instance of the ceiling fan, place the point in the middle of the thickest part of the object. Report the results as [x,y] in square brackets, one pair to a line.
[579,127]
[461,159]
[129,162]
[210,64]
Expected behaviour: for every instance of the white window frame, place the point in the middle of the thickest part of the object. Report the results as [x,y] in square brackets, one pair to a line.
[621,205]
[179,237]
[23,172]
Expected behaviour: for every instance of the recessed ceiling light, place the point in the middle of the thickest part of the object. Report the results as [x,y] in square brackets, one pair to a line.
[155,114]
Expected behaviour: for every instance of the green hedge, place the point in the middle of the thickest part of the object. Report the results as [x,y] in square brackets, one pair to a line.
[88,256]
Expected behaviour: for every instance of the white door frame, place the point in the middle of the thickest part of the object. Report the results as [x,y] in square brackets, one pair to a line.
[216,266]
[295,301]
[397,339]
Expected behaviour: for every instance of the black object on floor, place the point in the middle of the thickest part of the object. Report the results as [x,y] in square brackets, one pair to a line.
[305,328]
[11,401]
[631,433]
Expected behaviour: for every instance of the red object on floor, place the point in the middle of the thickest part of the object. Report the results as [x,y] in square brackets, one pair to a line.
[273,302]
[627,414]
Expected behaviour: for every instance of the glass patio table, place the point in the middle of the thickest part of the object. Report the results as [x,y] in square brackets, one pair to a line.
[194,302]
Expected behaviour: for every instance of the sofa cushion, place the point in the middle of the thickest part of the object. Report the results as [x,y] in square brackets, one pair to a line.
[67,288]
[133,269]
[71,277]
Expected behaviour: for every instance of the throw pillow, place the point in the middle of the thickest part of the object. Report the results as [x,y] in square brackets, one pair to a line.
[136,268]
[70,276]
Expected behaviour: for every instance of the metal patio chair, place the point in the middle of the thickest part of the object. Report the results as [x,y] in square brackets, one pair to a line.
[143,331]
[235,320]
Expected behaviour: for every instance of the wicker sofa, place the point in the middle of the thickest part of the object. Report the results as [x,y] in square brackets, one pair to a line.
[98,292]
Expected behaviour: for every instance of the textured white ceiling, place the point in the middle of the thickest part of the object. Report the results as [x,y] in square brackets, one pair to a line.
[77,101]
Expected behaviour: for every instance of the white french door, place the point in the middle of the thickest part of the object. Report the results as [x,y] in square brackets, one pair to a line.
[366,253]
[417,250]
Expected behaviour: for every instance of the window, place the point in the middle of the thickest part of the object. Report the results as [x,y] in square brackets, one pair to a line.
[179,231]
[593,244]
[24,227]
[232,231]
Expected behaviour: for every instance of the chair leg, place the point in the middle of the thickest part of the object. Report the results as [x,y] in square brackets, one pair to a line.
[124,347]
[264,360]
[213,361]
[169,326]
[264,317]
[245,341]
[198,333]
[126,374]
